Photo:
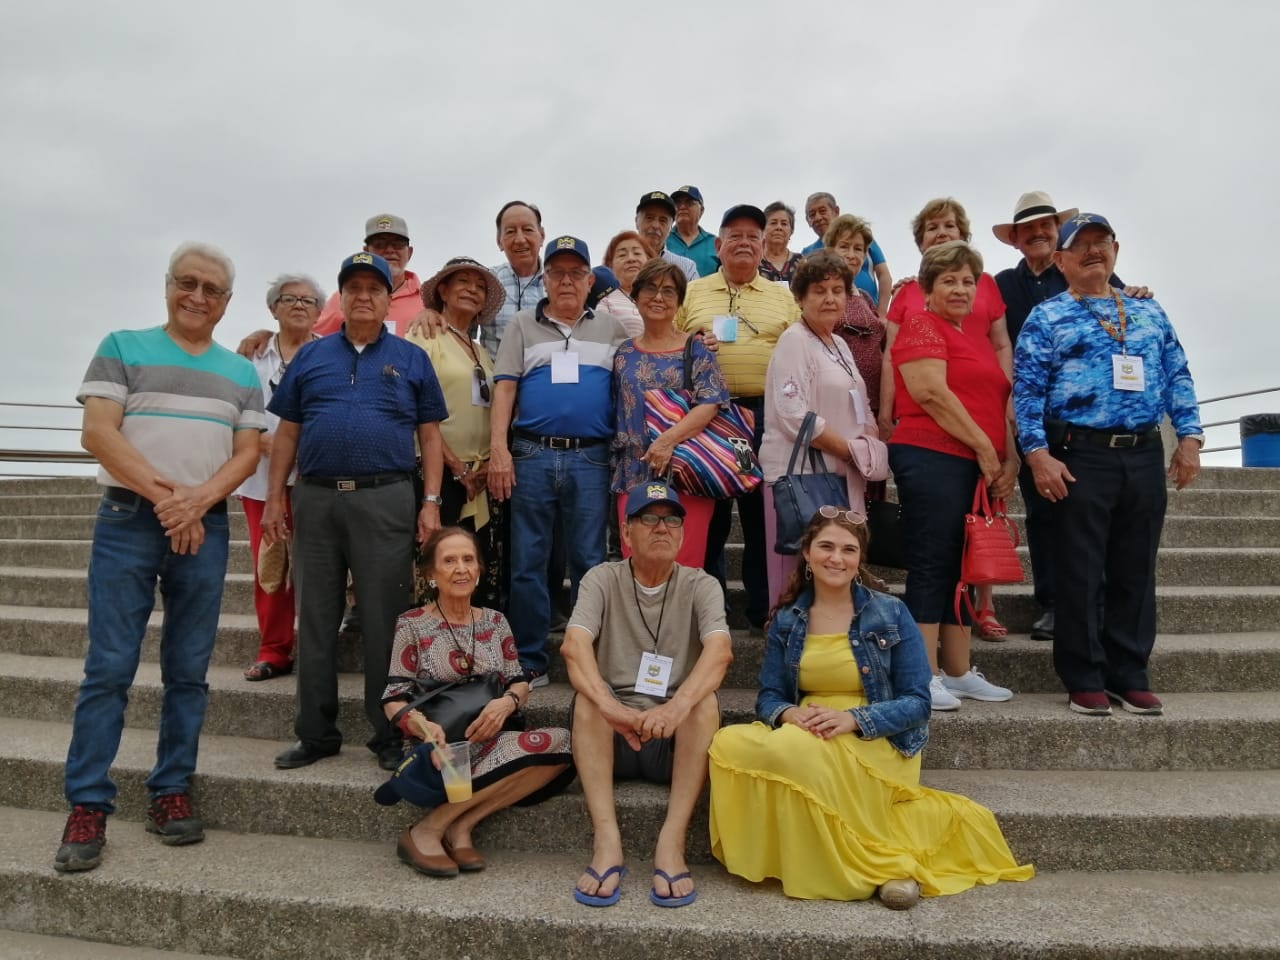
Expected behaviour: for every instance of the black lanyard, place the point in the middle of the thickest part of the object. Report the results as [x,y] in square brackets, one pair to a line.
[635,592]
[833,354]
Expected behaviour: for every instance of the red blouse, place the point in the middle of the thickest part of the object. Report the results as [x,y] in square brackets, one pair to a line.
[988,305]
[973,375]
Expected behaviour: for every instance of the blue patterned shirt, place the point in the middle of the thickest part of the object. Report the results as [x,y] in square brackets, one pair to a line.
[359,411]
[522,294]
[1062,370]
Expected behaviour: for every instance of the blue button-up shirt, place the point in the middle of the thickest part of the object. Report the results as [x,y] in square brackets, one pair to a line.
[702,251]
[359,411]
[1062,370]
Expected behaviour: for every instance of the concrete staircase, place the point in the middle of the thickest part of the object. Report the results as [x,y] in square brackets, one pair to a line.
[1152,837]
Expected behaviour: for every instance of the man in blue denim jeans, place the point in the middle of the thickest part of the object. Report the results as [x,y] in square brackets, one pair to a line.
[554,390]
[174,421]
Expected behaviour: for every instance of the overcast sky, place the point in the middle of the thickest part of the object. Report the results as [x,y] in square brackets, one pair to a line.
[274,129]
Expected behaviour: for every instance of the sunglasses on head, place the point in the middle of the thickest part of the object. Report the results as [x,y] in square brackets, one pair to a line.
[829,512]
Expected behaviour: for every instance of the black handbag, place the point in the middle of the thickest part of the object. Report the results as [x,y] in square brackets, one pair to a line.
[884,523]
[797,496]
[454,706]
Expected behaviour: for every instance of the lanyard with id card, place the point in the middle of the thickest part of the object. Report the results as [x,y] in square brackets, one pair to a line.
[1126,372]
[653,676]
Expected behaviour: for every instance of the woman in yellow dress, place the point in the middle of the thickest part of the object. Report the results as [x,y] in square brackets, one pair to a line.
[823,791]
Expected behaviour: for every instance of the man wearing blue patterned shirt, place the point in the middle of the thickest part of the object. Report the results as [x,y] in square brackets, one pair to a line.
[1094,373]
[350,406]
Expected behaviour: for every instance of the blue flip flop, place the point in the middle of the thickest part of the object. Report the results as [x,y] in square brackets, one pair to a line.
[661,901]
[590,899]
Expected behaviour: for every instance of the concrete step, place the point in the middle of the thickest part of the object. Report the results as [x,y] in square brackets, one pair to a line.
[34,946]
[1181,609]
[1060,820]
[241,894]
[1185,566]
[79,527]
[1219,731]
[1181,663]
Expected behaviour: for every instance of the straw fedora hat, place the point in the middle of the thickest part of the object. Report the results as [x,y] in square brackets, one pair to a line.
[494,297]
[1031,206]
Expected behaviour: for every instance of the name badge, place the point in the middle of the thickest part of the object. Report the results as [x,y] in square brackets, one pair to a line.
[564,367]
[859,406]
[654,674]
[725,328]
[1126,373]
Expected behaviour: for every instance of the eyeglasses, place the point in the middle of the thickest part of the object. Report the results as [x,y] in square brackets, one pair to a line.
[829,512]
[288,299]
[191,284]
[559,276]
[653,519]
[482,380]
[387,243]
[1081,245]
[667,291]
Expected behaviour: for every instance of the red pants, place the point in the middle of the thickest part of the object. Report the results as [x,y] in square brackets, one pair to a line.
[698,510]
[275,610]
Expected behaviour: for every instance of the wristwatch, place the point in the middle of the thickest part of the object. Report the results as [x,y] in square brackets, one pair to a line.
[433,498]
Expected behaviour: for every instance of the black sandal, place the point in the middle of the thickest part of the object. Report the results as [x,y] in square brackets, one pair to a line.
[266,671]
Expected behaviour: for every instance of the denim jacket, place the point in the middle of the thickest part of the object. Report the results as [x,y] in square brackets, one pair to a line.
[890,654]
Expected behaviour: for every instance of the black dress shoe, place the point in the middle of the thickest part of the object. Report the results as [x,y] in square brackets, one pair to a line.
[390,755]
[303,755]
[1042,629]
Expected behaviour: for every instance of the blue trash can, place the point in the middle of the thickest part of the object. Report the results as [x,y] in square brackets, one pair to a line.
[1260,440]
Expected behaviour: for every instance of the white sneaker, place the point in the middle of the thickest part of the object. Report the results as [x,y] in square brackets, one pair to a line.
[976,687]
[941,696]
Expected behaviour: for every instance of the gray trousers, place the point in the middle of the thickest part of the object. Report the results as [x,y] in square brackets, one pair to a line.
[369,532]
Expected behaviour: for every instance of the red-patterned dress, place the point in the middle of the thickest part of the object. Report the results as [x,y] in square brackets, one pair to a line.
[425,650]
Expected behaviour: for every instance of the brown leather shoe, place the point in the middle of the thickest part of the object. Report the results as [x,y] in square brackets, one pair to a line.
[433,865]
[468,859]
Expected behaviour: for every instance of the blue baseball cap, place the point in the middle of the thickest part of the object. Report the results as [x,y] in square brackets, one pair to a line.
[650,492]
[365,261]
[567,244]
[416,780]
[604,285]
[693,193]
[1067,232]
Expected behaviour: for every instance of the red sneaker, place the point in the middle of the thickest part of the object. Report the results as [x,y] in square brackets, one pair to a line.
[1089,702]
[1138,701]
[82,841]
[170,815]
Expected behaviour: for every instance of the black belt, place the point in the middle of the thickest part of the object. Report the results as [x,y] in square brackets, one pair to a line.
[347,484]
[561,443]
[1068,434]
[129,498]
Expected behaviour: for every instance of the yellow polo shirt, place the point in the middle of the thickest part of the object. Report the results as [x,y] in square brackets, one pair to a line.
[763,308]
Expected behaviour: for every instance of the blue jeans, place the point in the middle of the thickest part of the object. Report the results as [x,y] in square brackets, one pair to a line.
[130,553]
[573,484]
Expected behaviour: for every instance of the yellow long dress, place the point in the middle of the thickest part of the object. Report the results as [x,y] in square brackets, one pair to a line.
[834,819]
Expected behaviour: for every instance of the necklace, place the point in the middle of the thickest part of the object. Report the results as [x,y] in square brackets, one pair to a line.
[468,657]
[833,354]
[635,592]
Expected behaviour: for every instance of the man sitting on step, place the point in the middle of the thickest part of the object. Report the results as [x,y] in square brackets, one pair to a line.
[173,420]
[647,648]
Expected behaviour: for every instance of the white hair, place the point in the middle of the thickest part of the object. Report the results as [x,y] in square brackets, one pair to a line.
[209,252]
[282,281]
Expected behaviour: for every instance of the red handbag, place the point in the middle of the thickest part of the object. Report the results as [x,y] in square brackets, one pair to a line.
[990,549]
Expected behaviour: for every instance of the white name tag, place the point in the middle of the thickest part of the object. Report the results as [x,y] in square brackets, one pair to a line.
[1126,373]
[654,674]
[564,367]
[725,328]
[859,406]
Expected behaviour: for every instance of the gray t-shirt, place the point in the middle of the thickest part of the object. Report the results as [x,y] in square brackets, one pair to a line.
[622,630]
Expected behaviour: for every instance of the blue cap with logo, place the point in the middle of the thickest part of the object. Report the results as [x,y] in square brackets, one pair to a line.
[693,193]
[567,245]
[651,492]
[365,261]
[1067,232]
[605,284]
[416,780]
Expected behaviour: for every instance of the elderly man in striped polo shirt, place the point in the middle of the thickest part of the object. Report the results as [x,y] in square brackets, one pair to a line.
[747,313]
[174,421]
